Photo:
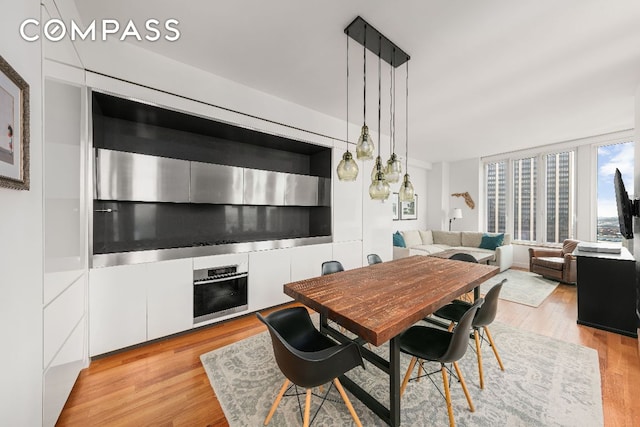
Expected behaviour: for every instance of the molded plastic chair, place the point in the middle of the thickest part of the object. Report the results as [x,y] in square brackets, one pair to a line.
[430,344]
[307,358]
[461,256]
[484,317]
[330,267]
[374,259]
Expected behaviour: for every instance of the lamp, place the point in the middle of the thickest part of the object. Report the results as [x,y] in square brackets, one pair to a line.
[347,168]
[406,188]
[394,166]
[455,214]
[365,147]
[379,188]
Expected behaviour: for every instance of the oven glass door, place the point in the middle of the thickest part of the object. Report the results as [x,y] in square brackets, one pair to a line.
[219,297]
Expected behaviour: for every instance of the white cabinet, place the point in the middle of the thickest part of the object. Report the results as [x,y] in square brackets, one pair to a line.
[306,261]
[117,307]
[347,201]
[268,272]
[169,297]
[349,254]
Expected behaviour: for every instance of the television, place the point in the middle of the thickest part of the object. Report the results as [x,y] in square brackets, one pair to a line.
[627,208]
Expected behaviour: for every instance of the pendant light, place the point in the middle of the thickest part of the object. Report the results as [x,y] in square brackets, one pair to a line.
[379,188]
[347,168]
[406,188]
[393,169]
[365,146]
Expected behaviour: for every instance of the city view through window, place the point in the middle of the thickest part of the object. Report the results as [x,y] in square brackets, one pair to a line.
[610,157]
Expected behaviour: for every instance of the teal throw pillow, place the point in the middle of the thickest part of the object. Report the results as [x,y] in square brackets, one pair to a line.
[398,240]
[491,242]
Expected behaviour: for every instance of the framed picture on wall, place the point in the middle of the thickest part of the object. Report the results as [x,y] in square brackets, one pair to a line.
[395,206]
[14,128]
[409,210]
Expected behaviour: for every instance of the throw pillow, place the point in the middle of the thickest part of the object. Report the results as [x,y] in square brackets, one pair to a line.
[398,240]
[491,242]
[411,238]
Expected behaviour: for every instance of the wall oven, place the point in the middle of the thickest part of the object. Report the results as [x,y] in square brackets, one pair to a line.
[219,291]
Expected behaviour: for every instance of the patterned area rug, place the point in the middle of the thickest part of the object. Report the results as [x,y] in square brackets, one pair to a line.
[546,382]
[522,287]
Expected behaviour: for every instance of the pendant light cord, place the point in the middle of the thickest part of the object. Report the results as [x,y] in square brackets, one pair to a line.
[347,91]
[391,146]
[364,74]
[379,90]
[406,160]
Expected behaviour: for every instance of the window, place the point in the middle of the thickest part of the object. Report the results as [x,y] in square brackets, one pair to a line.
[496,197]
[560,196]
[533,198]
[524,199]
[610,157]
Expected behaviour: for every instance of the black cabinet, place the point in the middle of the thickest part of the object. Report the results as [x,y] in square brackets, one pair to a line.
[607,291]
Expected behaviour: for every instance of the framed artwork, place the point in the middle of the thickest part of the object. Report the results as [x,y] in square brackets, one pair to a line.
[409,210]
[395,206]
[14,129]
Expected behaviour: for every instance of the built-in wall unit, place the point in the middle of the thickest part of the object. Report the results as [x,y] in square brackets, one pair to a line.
[196,220]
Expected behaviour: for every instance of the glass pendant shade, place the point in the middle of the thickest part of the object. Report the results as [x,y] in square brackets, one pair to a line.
[347,168]
[377,167]
[406,190]
[379,188]
[365,147]
[393,170]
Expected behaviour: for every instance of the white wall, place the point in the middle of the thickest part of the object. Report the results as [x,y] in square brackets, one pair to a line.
[21,247]
[464,176]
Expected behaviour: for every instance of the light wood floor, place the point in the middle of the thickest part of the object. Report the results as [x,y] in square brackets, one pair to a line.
[164,384]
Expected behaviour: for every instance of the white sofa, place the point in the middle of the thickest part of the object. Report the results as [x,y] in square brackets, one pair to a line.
[425,242]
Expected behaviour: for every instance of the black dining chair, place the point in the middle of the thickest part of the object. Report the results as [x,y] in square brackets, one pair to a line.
[307,358]
[374,259]
[461,256]
[424,343]
[330,267]
[483,318]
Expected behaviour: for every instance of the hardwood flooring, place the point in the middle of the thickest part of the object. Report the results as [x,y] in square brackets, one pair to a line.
[164,384]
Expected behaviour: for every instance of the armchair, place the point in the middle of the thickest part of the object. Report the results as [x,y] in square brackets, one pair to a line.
[556,264]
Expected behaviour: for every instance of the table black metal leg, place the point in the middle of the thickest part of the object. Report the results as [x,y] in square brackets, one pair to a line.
[476,293]
[394,381]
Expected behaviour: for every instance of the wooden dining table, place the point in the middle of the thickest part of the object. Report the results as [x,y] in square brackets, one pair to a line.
[378,302]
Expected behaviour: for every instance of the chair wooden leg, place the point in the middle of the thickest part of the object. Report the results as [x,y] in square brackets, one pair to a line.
[464,387]
[420,369]
[347,402]
[447,395]
[451,325]
[412,365]
[479,353]
[493,346]
[307,409]
[276,402]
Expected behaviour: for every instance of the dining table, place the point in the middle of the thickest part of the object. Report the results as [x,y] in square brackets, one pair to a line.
[377,303]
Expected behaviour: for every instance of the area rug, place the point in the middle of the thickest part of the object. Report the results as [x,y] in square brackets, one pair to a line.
[546,382]
[522,287]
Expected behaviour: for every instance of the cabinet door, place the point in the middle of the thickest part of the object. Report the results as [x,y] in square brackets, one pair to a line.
[169,297]
[306,261]
[349,254]
[117,307]
[268,272]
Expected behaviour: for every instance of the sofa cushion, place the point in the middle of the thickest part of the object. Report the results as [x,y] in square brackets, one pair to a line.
[398,240]
[553,263]
[491,241]
[411,238]
[450,238]
[427,237]
[507,239]
[428,249]
[470,239]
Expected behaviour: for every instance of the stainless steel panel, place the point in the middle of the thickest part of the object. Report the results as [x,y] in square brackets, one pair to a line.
[138,257]
[139,177]
[219,184]
[301,190]
[264,187]
[324,192]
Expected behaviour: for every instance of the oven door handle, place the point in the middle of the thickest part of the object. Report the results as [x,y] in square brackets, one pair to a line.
[222,279]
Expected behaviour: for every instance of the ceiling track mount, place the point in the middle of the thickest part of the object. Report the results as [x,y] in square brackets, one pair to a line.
[361,31]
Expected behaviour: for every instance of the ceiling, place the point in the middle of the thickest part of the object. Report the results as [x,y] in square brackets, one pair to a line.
[485,77]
